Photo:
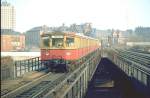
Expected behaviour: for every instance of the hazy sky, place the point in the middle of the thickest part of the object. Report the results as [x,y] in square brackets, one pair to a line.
[103,14]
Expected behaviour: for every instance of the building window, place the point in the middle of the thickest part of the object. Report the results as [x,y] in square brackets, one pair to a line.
[15,38]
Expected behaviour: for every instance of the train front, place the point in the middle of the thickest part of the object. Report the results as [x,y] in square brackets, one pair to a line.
[53,51]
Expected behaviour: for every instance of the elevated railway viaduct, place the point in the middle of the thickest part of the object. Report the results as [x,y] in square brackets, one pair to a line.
[130,72]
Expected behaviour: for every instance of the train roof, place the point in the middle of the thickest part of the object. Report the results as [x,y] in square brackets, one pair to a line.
[82,35]
[68,33]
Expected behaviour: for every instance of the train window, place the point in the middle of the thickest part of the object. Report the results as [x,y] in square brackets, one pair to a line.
[57,42]
[69,42]
[45,41]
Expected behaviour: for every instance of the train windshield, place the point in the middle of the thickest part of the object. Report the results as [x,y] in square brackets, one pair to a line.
[69,41]
[57,41]
[45,40]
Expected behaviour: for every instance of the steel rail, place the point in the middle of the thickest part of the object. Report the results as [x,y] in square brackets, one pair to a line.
[42,88]
[135,62]
[25,87]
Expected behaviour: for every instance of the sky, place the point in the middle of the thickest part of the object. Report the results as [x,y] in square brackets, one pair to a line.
[103,14]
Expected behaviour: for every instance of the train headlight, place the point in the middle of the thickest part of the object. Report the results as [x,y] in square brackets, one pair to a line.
[47,53]
[68,53]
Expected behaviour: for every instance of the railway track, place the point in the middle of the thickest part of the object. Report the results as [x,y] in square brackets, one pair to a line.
[140,50]
[139,58]
[39,90]
[47,85]
[142,60]
[12,93]
[7,88]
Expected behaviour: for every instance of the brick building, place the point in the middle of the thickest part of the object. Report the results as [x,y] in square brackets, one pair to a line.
[12,42]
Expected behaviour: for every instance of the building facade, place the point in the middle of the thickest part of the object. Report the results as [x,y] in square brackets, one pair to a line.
[85,28]
[7,16]
[12,43]
[33,37]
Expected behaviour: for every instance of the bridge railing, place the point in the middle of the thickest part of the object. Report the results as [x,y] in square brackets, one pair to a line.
[23,66]
[6,73]
[135,70]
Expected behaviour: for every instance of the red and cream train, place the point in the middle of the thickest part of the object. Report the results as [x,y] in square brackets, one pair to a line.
[58,49]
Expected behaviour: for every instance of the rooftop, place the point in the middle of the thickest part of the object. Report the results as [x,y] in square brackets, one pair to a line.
[5,3]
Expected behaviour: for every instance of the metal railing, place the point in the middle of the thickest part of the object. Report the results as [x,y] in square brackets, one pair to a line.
[23,66]
[6,73]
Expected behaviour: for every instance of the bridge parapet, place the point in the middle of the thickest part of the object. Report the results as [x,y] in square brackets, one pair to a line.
[135,65]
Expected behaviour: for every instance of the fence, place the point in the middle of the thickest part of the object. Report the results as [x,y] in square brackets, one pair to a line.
[6,73]
[7,66]
[23,66]
[19,68]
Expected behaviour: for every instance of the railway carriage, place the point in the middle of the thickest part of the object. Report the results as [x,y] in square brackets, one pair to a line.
[59,49]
